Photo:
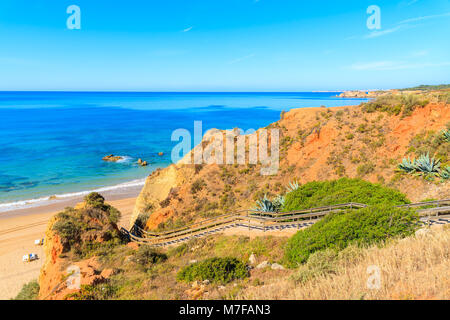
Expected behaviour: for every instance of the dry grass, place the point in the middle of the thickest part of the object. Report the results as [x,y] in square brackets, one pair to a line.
[412,268]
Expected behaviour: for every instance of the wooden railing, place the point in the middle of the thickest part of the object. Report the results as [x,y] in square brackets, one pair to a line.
[258,220]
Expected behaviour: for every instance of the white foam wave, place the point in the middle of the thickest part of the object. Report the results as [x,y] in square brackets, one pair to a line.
[66,196]
[124,159]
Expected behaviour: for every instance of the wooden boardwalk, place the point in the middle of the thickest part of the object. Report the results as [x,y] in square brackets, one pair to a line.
[432,212]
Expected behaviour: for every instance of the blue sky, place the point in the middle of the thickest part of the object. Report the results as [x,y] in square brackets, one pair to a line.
[223,45]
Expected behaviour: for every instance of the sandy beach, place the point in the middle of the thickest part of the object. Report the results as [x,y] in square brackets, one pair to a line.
[19,229]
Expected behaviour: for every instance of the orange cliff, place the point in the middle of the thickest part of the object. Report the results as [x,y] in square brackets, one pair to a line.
[316,144]
[59,274]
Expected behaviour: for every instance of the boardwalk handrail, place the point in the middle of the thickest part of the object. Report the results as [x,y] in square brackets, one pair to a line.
[263,220]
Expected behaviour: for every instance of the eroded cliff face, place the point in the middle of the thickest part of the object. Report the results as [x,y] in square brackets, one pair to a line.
[51,272]
[315,144]
[64,270]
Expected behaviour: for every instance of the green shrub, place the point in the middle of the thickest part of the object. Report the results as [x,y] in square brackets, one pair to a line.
[146,256]
[114,215]
[77,228]
[68,226]
[364,169]
[178,251]
[446,135]
[362,227]
[141,220]
[221,270]
[29,291]
[433,143]
[197,186]
[324,193]
[95,200]
[319,263]
[395,104]
[103,291]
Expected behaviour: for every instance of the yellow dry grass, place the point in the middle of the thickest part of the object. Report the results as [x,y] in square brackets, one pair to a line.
[412,268]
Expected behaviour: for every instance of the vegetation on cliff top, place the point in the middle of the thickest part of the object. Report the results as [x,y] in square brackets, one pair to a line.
[344,190]
[424,87]
[220,270]
[365,226]
[403,104]
[432,151]
[88,229]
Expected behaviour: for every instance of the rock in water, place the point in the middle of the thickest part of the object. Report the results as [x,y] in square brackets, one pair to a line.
[112,158]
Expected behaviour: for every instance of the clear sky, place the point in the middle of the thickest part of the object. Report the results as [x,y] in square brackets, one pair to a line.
[223,45]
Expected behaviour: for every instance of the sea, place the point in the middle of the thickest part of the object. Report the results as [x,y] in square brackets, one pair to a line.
[52,143]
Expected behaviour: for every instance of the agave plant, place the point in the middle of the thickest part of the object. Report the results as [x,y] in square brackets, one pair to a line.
[428,165]
[265,205]
[407,165]
[445,173]
[293,185]
[446,135]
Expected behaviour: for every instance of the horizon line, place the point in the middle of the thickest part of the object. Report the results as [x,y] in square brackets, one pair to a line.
[139,91]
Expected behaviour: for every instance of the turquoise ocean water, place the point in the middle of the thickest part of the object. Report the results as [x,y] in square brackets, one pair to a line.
[52,143]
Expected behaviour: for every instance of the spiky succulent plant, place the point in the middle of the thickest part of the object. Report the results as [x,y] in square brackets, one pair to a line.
[267,205]
[445,173]
[293,185]
[407,165]
[428,165]
[446,134]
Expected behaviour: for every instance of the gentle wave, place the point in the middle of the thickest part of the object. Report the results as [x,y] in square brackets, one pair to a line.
[125,159]
[46,200]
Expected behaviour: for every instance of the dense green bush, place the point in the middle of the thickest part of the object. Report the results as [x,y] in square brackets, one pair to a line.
[88,229]
[95,200]
[29,291]
[220,270]
[362,227]
[324,193]
[69,226]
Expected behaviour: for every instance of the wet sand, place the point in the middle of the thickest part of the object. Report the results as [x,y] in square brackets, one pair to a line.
[19,229]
